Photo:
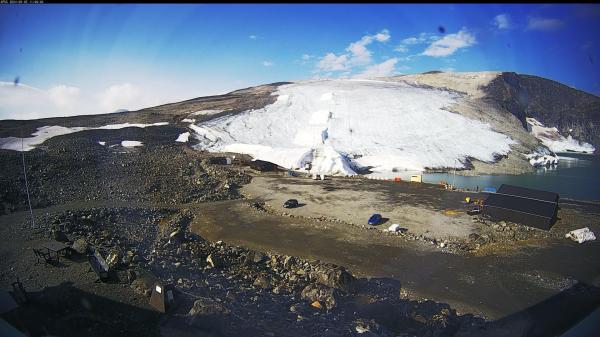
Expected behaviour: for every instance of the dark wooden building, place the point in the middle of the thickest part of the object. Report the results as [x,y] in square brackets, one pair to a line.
[263,166]
[529,207]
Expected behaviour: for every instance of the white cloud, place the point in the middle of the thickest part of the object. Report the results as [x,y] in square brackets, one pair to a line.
[411,40]
[252,37]
[64,96]
[401,48]
[422,38]
[502,21]
[121,96]
[408,58]
[267,63]
[544,24]
[382,36]
[382,69]
[357,54]
[306,57]
[26,102]
[450,44]
[332,62]
[360,55]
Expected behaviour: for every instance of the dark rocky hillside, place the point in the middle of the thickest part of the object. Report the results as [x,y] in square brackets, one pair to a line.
[554,104]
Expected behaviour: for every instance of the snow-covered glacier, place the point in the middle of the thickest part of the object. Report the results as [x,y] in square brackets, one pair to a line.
[340,126]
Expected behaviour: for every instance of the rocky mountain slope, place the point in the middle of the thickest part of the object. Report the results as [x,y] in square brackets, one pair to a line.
[475,122]
[554,104]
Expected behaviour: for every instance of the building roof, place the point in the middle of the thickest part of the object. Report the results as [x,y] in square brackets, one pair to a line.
[529,206]
[523,205]
[528,193]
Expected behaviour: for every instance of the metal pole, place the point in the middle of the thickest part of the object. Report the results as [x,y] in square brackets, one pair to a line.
[26,183]
[454,176]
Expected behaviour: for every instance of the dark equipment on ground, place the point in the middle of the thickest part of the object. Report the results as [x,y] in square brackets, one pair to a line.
[220,160]
[263,166]
[162,297]
[474,211]
[99,266]
[291,203]
[375,219]
[522,205]
[19,293]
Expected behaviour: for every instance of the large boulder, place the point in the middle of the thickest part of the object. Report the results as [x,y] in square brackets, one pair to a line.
[207,306]
[208,315]
[254,257]
[318,292]
[214,261]
[334,277]
[114,258]
[80,246]
[262,282]
[143,285]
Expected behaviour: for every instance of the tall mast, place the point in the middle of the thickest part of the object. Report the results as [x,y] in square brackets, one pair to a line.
[26,183]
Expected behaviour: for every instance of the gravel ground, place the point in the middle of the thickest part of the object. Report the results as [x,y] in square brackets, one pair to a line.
[130,203]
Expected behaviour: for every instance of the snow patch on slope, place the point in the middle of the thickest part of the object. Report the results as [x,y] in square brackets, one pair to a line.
[46,132]
[342,125]
[206,112]
[131,143]
[556,142]
[183,138]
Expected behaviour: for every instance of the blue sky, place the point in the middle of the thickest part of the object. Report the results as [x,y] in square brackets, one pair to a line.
[98,58]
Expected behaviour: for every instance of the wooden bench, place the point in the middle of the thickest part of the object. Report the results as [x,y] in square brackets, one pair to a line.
[99,266]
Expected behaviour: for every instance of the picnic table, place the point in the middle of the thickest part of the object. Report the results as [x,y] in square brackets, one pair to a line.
[56,248]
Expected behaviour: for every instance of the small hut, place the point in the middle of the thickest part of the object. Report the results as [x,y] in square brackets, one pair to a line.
[529,207]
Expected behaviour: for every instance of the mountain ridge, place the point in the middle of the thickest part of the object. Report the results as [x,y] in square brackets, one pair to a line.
[504,100]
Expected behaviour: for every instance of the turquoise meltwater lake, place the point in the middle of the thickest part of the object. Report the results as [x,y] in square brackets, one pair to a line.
[577,176]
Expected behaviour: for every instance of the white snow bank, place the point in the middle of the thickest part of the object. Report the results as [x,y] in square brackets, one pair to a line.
[38,137]
[189,120]
[581,235]
[341,125]
[556,142]
[128,125]
[131,143]
[183,138]
[206,112]
[542,157]
[46,132]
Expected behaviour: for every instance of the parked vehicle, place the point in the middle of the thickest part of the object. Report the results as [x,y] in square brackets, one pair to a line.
[291,203]
[375,219]
[474,211]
